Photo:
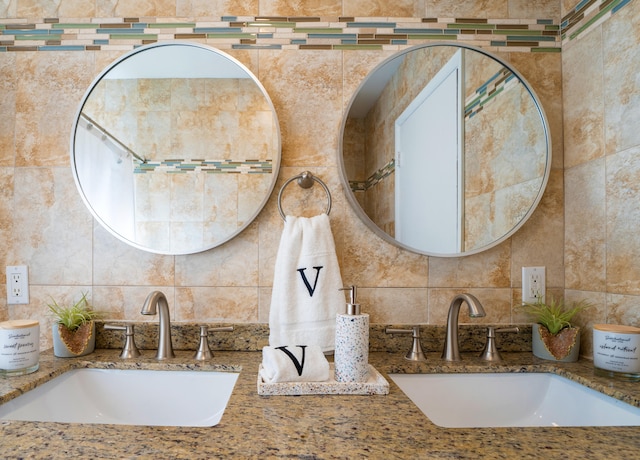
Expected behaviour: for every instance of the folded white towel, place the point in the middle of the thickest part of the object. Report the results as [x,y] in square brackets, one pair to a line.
[306,285]
[299,363]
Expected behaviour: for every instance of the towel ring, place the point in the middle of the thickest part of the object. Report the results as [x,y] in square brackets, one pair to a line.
[305,180]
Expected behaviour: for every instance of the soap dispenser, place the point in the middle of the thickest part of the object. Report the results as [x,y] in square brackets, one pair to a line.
[351,356]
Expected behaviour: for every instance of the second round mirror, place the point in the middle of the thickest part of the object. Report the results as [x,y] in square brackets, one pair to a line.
[445,150]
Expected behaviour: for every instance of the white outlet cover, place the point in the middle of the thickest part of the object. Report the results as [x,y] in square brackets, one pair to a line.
[17,285]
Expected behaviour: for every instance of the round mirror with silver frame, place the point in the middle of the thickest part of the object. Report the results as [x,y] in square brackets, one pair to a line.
[445,150]
[175,148]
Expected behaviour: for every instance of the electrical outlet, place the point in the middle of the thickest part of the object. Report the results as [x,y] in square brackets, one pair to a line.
[17,285]
[533,284]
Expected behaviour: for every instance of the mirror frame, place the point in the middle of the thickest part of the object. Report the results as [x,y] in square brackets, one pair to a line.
[351,198]
[277,155]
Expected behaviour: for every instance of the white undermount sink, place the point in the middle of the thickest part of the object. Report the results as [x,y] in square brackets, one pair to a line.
[127,397]
[512,400]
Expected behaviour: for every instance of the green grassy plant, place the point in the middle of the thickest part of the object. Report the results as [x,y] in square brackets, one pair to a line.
[72,317]
[555,314]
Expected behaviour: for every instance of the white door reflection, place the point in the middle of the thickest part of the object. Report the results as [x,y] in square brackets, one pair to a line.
[429,178]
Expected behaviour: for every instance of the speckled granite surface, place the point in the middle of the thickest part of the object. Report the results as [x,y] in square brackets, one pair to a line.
[317,426]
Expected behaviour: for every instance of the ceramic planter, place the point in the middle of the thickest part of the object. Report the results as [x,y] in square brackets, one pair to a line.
[566,348]
[72,344]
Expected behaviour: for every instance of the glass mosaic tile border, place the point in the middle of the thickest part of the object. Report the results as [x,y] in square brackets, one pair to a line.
[588,14]
[182,166]
[280,33]
[341,33]
[502,81]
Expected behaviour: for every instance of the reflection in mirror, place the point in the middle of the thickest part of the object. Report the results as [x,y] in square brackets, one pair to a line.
[445,150]
[176,148]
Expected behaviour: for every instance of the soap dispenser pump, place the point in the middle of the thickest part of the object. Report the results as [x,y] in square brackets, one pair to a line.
[351,356]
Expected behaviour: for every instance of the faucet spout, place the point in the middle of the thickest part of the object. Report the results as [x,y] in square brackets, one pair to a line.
[157,302]
[451,350]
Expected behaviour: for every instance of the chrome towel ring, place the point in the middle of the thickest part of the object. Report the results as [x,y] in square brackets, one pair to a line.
[305,180]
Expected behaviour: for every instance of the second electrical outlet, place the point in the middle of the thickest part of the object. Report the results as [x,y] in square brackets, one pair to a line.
[533,284]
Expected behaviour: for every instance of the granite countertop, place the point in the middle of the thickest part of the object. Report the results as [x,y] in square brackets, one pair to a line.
[317,426]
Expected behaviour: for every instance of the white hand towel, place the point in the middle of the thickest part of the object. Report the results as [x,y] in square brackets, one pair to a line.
[306,285]
[299,363]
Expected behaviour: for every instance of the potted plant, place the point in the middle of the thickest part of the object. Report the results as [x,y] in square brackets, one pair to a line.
[554,337]
[74,331]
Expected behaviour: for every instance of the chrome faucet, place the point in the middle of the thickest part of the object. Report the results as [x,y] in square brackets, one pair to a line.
[165,348]
[451,350]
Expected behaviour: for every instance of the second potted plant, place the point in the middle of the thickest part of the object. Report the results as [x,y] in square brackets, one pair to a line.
[554,336]
[74,331]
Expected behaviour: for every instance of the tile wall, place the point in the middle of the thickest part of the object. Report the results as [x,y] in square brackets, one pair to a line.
[601,100]
[310,76]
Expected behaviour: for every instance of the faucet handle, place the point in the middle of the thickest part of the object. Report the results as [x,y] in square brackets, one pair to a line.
[130,350]
[490,351]
[204,351]
[416,353]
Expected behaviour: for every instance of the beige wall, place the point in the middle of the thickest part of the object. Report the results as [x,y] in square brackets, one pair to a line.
[602,168]
[45,225]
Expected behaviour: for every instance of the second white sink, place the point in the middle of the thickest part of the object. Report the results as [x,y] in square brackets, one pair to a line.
[127,397]
[512,400]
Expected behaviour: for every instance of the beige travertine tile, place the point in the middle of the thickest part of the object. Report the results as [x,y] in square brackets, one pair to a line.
[582,81]
[487,269]
[233,304]
[494,9]
[544,73]
[496,303]
[6,219]
[51,227]
[401,8]
[369,261]
[595,314]
[623,309]
[585,226]
[540,241]
[204,8]
[8,8]
[36,9]
[394,305]
[264,304]
[140,8]
[621,86]
[76,8]
[622,217]
[306,88]
[118,264]
[235,263]
[548,9]
[331,8]
[49,91]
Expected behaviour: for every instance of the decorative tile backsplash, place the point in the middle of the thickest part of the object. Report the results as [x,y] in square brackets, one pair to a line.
[279,33]
[309,32]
